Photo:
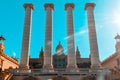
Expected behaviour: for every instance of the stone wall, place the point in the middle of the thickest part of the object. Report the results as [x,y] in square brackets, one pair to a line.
[8,62]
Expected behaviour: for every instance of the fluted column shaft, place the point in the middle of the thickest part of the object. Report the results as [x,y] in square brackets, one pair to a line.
[24,62]
[94,53]
[48,38]
[71,59]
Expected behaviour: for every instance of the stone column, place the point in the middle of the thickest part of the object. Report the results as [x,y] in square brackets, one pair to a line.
[71,58]
[94,53]
[24,62]
[48,67]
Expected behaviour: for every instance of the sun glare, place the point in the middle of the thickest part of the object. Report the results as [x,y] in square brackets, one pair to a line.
[116,17]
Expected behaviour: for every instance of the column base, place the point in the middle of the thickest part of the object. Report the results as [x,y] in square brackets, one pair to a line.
[95,68]
[48,68]
[23,67]
[72,68]
[23,71]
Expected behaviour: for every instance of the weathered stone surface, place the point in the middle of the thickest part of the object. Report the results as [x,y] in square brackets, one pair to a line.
[94,53]
[48,67]
[24,62]
[71,58]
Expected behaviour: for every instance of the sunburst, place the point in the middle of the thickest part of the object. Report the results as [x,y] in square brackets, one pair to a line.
[116,18]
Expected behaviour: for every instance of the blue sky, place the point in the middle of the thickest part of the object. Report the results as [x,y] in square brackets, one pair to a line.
[107,18]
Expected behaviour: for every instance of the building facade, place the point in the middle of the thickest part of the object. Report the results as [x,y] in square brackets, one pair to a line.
[113,62]
[60,66]
[6,62]
[59,60]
